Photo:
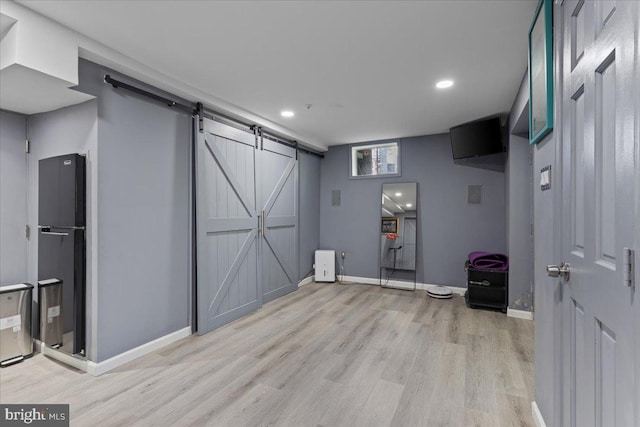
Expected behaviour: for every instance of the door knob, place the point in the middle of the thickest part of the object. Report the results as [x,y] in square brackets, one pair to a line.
[563,270]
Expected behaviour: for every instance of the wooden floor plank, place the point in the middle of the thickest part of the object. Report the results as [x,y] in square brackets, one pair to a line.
[381,405]
[328,354]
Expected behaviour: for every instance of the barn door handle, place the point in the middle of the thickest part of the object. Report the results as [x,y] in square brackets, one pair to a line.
[264,228]
[563,270]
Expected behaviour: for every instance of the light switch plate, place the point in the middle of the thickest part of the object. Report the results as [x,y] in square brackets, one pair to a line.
[545,178]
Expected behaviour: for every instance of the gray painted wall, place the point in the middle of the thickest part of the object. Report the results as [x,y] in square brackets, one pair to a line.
[448,228]
[309,212]
[67,130]
[144,216]
[520,219]
[13,186]
[520,207]
[547,291]
[547,295]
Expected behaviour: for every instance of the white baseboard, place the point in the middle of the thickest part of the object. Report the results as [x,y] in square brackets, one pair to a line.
[398,284]
[307,280]
[107,365]
[356,279]
[537,415]
[519,314]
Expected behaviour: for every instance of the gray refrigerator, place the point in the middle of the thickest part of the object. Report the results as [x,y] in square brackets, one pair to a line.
[61,252]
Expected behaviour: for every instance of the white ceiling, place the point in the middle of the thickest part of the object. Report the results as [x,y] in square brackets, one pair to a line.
[367,68]
[6,22]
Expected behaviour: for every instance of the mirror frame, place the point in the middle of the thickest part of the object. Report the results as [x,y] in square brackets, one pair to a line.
[384,282]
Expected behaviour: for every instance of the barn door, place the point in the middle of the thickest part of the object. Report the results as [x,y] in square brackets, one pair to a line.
[600,199]
[278,202]
[227,226]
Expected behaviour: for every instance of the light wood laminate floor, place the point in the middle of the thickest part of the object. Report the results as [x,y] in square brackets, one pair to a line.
[325,355]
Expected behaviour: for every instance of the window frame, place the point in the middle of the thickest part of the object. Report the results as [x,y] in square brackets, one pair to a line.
[373,144]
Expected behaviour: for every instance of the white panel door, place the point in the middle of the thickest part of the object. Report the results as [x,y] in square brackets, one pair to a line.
[598,72]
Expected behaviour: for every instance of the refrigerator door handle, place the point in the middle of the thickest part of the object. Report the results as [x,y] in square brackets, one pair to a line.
[54,233]
[47,227]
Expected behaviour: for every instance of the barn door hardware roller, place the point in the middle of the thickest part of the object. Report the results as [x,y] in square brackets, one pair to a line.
[199,111]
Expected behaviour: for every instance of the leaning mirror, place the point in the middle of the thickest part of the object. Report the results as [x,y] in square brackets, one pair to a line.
[398,235]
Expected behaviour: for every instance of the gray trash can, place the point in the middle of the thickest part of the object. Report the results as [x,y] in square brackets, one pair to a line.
[15,323]
[50,300]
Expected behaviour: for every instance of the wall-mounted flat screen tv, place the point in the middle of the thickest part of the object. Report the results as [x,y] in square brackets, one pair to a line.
[476,138]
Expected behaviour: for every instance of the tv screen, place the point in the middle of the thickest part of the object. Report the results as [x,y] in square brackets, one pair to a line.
[476,139]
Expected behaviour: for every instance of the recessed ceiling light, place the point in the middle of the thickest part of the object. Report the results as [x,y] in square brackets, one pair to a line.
[287,113]
[408,205]
[398,194]
[443,84]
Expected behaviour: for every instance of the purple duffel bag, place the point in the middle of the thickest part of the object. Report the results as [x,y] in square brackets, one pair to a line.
[488,261]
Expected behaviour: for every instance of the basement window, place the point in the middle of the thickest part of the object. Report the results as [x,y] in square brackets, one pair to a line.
[373,160]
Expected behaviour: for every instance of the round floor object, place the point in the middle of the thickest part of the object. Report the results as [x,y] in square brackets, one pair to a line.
[440,292]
